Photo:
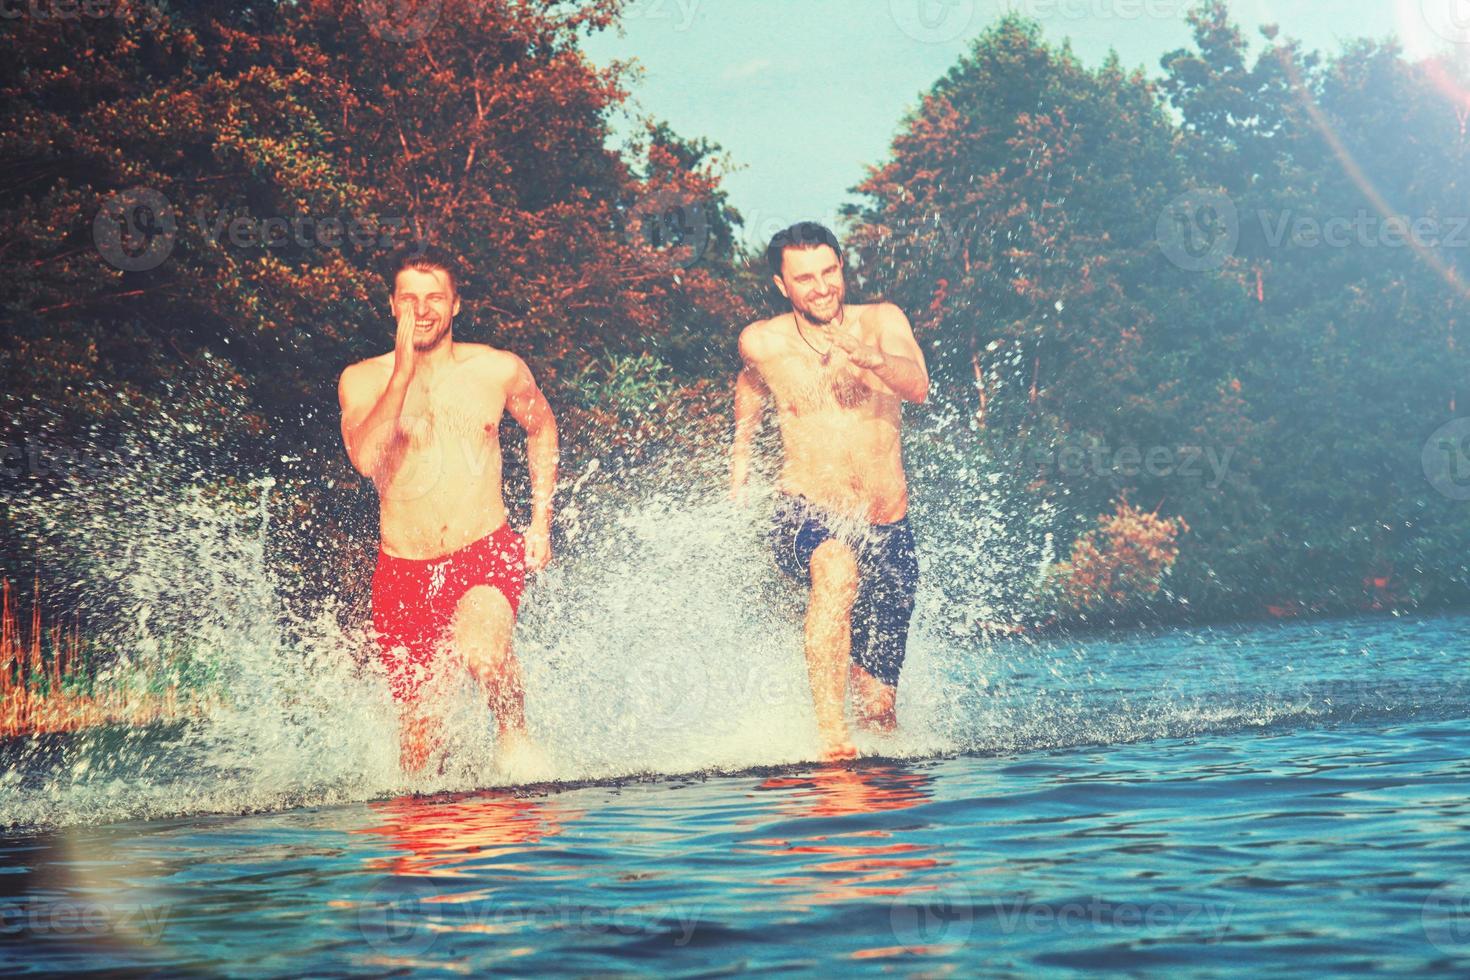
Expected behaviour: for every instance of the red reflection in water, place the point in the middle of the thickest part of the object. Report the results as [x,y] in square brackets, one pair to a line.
[856,865]
[439,835]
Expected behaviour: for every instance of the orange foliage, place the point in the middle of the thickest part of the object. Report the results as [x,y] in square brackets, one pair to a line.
[1122,561]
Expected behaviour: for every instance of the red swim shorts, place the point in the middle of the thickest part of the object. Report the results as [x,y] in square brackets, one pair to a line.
[414,600]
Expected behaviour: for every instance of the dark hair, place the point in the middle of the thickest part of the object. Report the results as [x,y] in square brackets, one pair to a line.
[803,234]
[424,258]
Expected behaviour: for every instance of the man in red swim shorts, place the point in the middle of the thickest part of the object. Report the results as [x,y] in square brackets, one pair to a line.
[423,422]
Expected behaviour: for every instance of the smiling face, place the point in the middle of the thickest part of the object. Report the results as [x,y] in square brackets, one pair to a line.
[430,294]
[811,278]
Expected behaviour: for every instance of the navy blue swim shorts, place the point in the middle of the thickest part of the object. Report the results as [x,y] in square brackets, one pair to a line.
[888,577]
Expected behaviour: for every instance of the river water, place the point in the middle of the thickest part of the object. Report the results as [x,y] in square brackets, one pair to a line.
[1206,801]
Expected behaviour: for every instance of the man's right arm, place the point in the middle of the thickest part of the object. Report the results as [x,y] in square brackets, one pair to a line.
[370,428]
[372,425]
[750,403]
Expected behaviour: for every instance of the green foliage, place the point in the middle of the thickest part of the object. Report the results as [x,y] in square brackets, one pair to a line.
[631,386]
[1018,219]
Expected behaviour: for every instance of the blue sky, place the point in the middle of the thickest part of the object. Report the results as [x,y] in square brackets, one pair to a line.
[804,94]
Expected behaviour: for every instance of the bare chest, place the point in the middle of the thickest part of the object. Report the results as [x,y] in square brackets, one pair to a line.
[803,386]
[458,415]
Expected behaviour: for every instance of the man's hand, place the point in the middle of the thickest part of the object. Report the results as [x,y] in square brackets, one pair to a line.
[405,355]
[538,546]
[862,355]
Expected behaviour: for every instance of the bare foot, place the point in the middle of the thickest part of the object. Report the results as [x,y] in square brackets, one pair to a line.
[836,744]
[839,751]
[520,759]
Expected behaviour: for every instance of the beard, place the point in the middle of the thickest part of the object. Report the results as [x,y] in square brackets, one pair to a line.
[820,316]
[431,339]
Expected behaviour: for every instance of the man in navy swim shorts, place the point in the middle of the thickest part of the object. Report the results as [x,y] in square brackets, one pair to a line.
[838,374]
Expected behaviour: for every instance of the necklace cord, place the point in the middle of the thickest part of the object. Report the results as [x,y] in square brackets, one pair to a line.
[824,355]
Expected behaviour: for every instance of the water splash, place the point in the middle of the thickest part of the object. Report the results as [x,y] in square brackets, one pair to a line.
[663,640]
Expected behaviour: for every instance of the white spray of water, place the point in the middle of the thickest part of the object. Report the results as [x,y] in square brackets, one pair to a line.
[663,640]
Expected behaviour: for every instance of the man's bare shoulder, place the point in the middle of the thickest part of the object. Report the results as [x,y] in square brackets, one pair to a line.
[493,363]
[875,314]
[888,314]
[359,379]
[758,337]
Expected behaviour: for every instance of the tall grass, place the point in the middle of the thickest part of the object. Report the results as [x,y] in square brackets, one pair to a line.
[48,682]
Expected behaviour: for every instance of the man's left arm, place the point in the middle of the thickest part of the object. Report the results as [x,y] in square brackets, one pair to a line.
[529,407]
[897,360]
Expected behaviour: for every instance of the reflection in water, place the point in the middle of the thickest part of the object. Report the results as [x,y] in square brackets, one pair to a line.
[848,865]
[449,836]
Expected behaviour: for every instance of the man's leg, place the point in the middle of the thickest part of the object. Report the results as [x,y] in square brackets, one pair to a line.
[483,623]
[420,733]
[873,701]
[881,615]
[828,641]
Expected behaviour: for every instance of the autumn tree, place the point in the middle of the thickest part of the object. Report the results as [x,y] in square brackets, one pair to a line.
[200,199]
